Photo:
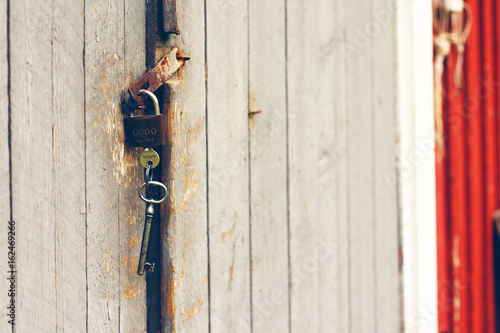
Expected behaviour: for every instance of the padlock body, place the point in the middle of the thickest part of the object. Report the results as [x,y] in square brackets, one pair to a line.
[146,131]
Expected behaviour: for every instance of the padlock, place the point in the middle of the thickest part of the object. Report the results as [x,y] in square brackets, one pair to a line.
[147,130]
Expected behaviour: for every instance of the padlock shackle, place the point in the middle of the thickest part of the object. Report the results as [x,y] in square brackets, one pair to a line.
[153,97]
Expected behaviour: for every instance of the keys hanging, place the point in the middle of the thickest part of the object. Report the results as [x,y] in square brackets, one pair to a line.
[149,130]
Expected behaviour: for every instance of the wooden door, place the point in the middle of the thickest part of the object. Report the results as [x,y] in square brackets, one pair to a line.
[282,166]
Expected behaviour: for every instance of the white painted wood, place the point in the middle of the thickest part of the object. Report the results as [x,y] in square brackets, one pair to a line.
[4,157]
[68,165]
[362,258]
[408,213]
[425,172]
[268,166]
[338,279]
[228,178]
[315,121]
[185,251]
[33,187]
[132,289]
[381,28]
[417,173]
[113,57]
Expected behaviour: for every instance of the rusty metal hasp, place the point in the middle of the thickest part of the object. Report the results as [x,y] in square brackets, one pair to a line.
[159,74]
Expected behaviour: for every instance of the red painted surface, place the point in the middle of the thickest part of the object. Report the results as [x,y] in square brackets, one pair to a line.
[467,180]
[489,63]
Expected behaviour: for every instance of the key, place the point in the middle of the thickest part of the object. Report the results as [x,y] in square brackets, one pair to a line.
[145,239]
[150,158]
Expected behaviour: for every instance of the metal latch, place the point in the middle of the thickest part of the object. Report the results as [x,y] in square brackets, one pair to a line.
[170,17]
[159,74]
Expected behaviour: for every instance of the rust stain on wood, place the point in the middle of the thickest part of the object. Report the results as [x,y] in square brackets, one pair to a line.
[129,292]
[190,185]
[193,311]
[106,263]
[168,289]
[226,235]
[124,262]
[251,119]
[109,121]
[134,239]
[230,281]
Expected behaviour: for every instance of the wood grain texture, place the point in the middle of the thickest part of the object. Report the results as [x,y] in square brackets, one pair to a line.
[4,155]
[133,314]
[231,233]
[335,279]
[268,166]
[114,217]
[68,158]
[228,179]
[387,309]
[313,127]
[360,133]
[33,187]
[185,252]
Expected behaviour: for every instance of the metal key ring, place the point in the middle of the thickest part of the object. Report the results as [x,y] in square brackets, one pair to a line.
[148,174]
[153,183]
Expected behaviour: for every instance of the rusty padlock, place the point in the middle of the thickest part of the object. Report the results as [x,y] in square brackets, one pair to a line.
[146,130]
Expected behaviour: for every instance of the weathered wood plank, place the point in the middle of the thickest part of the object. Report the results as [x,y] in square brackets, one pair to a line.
[335,276]
[4,155]
[33,188]
[312,149]
[385,156]
[302,158]
[360,134]
[228,196]
[185,252]
[68,174]
[268,166]
[133,314]
[107,161]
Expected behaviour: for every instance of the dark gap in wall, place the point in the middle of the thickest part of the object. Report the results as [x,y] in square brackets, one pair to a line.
[288,173]
[9,132]
[153,279]
[249,170]
[85,171]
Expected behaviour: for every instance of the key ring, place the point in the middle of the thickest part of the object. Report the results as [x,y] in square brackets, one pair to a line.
[153,183]
[148,174]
